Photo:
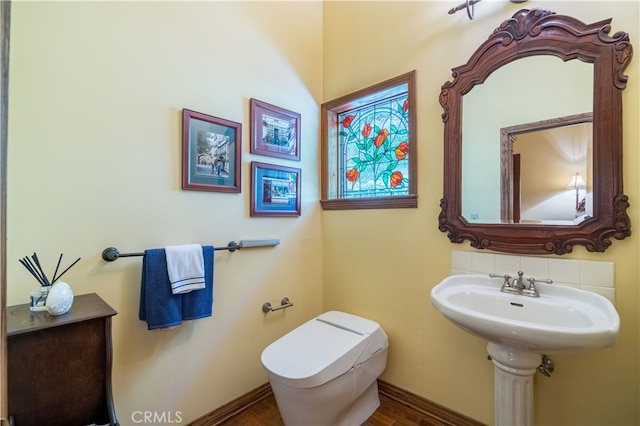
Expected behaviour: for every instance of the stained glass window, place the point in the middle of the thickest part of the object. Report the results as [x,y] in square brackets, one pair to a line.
[368,143]
[374,147]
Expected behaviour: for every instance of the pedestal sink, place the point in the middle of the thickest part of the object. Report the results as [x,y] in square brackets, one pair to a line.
[520,329]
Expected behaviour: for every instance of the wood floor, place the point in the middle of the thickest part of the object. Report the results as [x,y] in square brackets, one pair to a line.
[390,413]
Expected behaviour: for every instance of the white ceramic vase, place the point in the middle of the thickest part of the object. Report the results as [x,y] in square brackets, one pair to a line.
[59,299]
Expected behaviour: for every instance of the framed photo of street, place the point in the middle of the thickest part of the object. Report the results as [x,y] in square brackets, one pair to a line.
[275,190]
[275,131]
[211,153]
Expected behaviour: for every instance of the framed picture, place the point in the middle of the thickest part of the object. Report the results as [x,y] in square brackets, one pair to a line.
[275,190]
[211,153]
[275,131]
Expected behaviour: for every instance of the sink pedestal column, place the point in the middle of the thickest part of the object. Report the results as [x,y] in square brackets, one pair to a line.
[513,382]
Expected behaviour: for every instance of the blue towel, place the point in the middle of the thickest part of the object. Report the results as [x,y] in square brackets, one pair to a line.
[159,307]
[199,303]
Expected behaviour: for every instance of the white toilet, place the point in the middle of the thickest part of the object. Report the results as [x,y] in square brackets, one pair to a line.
[325,372]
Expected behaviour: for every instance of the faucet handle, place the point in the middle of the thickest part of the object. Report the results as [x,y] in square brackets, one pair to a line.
[506,277]
[507,287]
[532,290]
[533,280]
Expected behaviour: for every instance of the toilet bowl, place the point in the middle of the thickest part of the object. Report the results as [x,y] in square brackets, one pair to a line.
[325,372]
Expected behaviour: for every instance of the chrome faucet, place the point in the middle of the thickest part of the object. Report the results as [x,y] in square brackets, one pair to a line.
[517,285]
[517,282]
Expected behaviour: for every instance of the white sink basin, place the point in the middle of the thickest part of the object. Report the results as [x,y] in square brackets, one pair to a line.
[562,319]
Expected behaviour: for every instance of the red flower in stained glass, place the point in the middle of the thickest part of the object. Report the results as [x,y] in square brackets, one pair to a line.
[382,136]
[402,150]
[396,179]
[405,105]
[352,175]
[347,120]
[366,130]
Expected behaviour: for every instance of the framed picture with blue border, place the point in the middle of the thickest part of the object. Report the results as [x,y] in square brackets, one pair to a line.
[275,190]
[211,153]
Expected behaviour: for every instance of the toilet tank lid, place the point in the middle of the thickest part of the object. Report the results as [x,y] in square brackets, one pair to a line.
[323,348]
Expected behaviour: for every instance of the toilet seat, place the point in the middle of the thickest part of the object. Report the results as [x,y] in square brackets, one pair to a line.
[322,349]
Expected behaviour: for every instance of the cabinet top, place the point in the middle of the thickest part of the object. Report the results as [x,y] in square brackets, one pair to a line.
[85,307]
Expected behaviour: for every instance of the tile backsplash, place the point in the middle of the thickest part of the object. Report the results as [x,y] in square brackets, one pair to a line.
[588,275]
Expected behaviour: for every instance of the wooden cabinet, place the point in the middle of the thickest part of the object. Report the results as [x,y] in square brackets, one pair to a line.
[59,367]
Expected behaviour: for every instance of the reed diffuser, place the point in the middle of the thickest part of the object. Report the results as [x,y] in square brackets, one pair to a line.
[39,298]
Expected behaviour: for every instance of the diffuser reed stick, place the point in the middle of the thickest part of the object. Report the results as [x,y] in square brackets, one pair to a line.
[44,277]
[35,268]
[26,265]
[63,272]
[57,266]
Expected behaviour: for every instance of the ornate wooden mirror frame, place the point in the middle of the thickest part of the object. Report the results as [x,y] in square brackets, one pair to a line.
[542,32]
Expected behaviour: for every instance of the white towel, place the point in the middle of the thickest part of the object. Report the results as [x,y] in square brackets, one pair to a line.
[185,266]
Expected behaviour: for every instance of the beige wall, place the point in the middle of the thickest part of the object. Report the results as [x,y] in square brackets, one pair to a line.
[96,91]
[383,264]
[96,94]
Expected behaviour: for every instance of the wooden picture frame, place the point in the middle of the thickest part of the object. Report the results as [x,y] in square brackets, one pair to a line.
[275,131]
[275,190]
[211,153]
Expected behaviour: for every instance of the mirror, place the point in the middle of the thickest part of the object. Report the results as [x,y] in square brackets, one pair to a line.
[580,97]
[558,90]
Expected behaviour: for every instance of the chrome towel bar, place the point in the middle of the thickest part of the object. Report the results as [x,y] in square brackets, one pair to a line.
[111,253]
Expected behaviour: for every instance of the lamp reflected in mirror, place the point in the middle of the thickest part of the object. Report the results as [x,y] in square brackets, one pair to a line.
[577,183]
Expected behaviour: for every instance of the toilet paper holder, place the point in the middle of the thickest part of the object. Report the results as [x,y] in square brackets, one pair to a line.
[284,303]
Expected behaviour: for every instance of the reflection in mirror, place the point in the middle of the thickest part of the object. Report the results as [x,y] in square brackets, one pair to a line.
[546,171]
[530,89]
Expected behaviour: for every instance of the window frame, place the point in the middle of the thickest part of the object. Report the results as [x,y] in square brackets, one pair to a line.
[330,139]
